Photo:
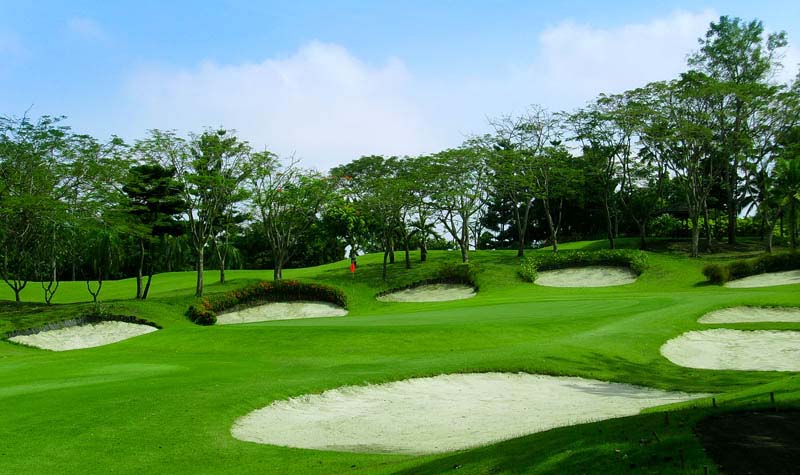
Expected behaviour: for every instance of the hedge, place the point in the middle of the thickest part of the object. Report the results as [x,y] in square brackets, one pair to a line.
[721,273]
[530,267]
[448,273]
[89,318]
[205,311]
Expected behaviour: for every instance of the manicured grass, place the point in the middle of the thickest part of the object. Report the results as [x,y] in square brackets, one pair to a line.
[165,402]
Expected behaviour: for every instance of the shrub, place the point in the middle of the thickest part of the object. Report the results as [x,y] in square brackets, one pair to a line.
[721,273]
[205,311]
[528,271]
[635,260]
[452,273]
[716,273]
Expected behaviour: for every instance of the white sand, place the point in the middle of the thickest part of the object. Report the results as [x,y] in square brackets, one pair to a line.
[281,311]
[735,349]
[431,293]
[766,280]
[591,276]
[442,413]
[84,336]
[752,315]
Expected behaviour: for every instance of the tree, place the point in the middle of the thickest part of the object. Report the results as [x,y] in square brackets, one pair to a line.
[679,132]
[517,144]
[153,204]
[739,61]
[210,168]
[287,203]
[31,155]
[459,189]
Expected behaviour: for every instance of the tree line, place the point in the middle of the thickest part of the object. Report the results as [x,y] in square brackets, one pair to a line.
[691,154]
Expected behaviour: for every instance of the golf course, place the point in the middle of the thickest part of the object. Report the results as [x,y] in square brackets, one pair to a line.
[171,397]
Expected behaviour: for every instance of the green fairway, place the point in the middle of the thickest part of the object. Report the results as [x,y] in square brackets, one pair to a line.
[165,402]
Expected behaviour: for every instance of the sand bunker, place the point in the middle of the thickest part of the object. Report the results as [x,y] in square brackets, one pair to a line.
[735,349]
[84,336]
[430,293]
[591,276]
[281,311]
[442,413]
[752,315]
[766,280]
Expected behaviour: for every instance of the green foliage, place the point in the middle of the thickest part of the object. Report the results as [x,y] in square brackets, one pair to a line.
[721,273]
[457,273]
[635,260]
[717,273]
[205,311]
[528,270]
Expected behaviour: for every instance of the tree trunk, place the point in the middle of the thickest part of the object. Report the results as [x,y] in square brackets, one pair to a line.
[277,272]
[609,225]
[16,295]
[768,235]
[695,235]
[391,251]
[199,289]
[149,279]
[385,256]
[707,227]
[408,252]
[643,235]
[423,251]
[140,270]
[222,270]
[792,225]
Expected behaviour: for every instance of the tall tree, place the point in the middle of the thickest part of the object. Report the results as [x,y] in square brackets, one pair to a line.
[518,143]
[460,189]
[153,203]
[287,202]
[31,155]
[740,61]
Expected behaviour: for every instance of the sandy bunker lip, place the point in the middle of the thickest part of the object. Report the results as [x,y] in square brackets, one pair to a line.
[281,311]
[590,276]
[766,280]
[752,315]
[721,348]
[431,293]
[442,413]
[84,336]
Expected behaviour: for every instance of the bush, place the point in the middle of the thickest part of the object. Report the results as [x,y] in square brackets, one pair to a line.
[205,311]
[528,271]
[530,267]
[721,273]
[717,273]
[451,273]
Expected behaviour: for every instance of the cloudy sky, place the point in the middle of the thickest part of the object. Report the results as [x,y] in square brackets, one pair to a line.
[331,80]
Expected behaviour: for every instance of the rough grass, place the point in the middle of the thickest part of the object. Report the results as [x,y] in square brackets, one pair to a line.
[166,401]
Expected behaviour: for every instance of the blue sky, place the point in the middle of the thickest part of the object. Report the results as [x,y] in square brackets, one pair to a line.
[330,81]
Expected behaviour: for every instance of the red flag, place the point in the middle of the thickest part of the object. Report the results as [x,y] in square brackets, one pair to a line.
[353,267]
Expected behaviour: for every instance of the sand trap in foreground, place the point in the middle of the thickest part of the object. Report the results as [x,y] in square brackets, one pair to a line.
[721,348]
[766,280]
[84,336]
[442,413]
[591,276]
[431,293]
[752,315]
[281,311]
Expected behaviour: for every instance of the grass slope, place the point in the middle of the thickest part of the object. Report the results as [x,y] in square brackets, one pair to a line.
[166,401]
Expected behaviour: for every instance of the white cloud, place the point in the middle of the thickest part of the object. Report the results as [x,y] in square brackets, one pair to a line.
[86,28]
[321,102]
[331,107]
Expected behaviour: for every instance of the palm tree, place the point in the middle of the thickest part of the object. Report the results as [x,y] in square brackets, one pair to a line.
[787,189]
